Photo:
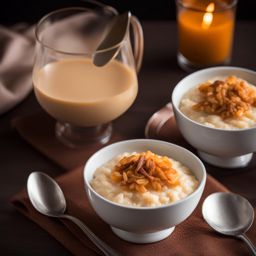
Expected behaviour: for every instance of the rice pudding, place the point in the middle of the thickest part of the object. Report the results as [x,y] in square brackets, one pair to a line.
[143,180]
[226,103]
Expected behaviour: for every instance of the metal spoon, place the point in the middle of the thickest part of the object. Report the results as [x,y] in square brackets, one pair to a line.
[229,214]
[47,198]
[110,45]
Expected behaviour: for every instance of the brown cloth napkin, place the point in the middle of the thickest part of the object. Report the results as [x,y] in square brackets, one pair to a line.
[192,237]
[16,61]
[38,130]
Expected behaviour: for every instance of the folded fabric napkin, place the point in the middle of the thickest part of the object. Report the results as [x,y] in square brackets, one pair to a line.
[38,130]
[192,237]
[16,61]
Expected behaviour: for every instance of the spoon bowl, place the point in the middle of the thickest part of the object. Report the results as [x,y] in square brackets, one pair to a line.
[112,40]
[54,205]
[47,197]
[229,214]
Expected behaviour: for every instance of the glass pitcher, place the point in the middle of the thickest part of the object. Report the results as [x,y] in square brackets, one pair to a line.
[82,97]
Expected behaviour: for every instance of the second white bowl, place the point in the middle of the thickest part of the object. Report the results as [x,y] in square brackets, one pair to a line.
[220,147]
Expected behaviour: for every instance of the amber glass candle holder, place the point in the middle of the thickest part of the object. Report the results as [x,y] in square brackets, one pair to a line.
[205,32]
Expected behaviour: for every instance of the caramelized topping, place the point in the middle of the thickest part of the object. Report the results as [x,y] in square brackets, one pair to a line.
[145,171]
[231,97]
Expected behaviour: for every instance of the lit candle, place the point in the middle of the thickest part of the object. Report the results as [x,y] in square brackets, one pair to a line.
[205,36]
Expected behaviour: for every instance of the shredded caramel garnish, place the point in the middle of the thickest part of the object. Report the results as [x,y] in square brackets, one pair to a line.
[145,171]
[232,97]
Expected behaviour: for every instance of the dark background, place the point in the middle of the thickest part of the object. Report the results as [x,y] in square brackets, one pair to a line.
[13,11]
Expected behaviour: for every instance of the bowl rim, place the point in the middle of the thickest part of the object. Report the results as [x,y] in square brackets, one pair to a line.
[199,188]
[245,70]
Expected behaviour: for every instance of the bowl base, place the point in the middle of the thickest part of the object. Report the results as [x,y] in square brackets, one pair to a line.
[226,162]
[143,238]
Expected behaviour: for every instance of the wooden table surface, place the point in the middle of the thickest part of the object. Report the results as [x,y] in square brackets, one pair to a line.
[159,74]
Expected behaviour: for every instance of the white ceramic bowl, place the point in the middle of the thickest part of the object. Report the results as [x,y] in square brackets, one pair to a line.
[220,147]
[144,224]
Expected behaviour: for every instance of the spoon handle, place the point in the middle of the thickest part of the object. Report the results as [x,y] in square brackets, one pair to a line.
[249,243]
[107,250]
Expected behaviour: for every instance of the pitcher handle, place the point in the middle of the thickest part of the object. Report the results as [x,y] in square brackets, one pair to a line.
[138,42]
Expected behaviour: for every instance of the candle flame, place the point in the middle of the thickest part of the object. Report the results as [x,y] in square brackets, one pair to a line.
[208,16]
